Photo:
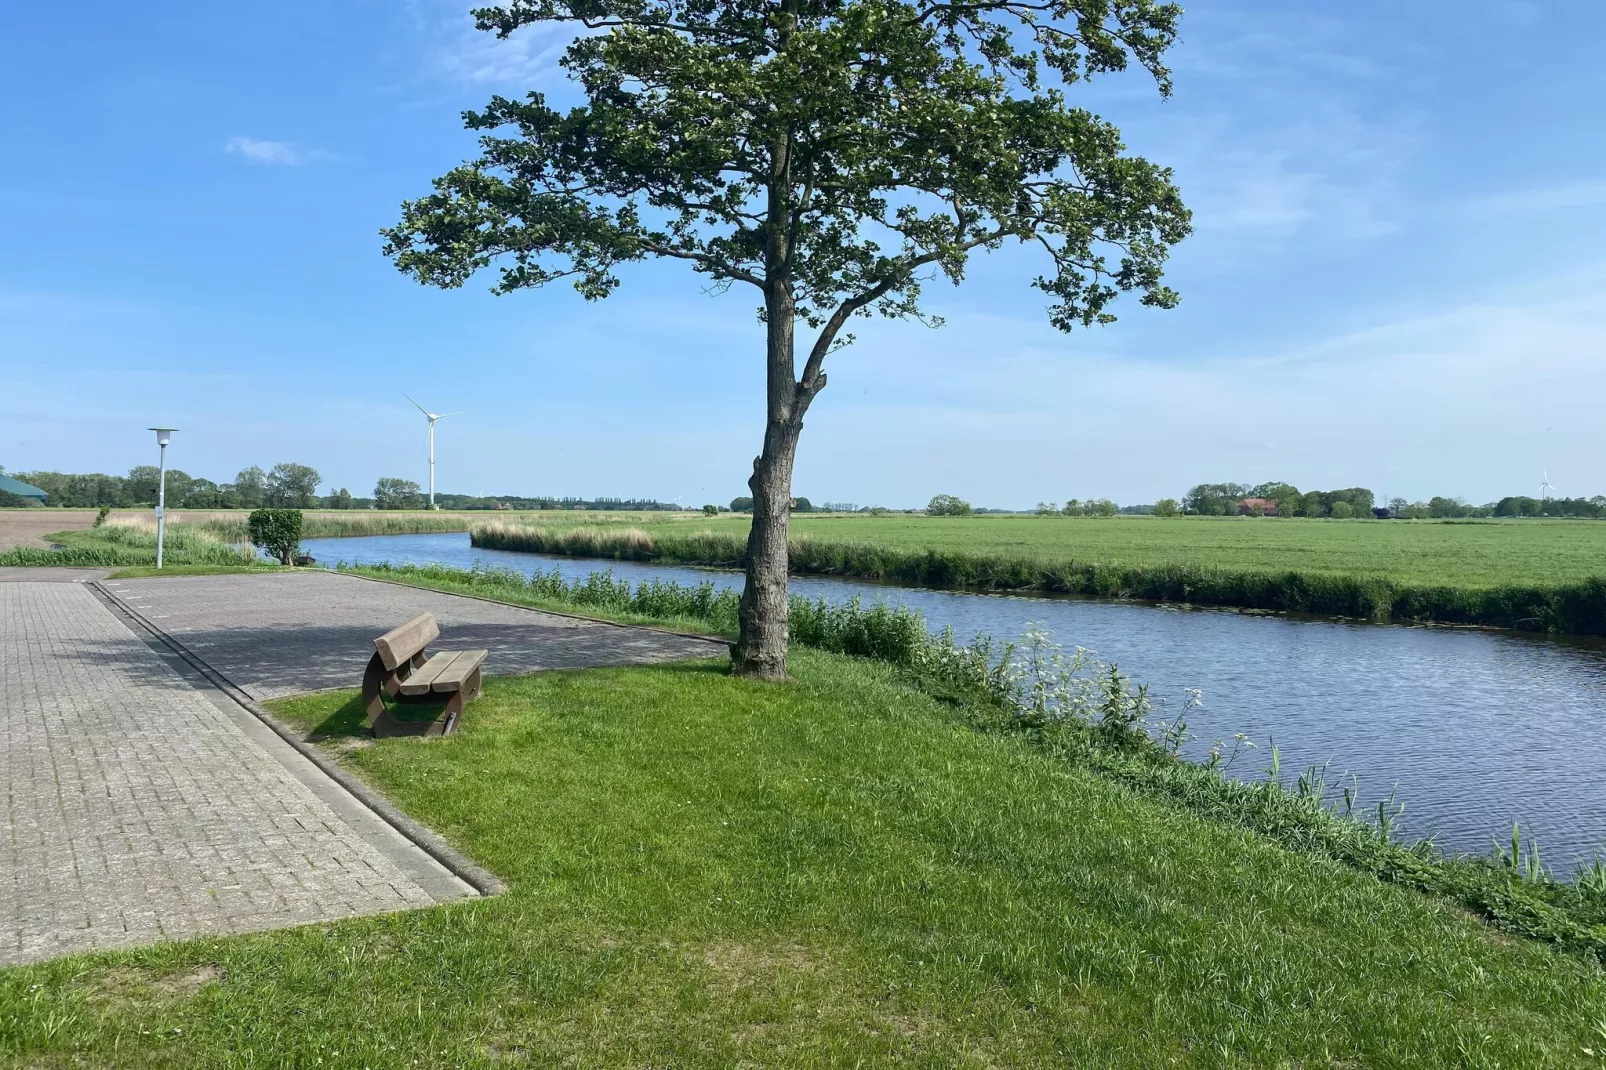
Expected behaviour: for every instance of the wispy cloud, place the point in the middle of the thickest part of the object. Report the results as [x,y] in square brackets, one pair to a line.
[1472,397]
[1280,136]
[273,153]
[1586,194]
[464,54]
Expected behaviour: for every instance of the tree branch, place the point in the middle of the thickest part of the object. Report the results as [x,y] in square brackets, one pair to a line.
[703,260]
[812,379]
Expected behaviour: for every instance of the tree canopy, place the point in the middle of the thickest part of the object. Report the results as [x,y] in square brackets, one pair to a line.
[840,147]
[835,155]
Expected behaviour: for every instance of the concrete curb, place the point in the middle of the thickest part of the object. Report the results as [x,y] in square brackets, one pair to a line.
[481,879]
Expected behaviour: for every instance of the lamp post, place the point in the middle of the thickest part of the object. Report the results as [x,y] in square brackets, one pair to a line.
[162,436]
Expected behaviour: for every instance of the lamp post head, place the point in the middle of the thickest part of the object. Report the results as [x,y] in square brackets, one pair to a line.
[163,434]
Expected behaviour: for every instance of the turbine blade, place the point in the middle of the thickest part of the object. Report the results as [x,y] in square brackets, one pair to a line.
[444,415]
[417,406]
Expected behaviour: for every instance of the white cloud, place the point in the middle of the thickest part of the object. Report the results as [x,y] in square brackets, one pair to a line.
[282,153]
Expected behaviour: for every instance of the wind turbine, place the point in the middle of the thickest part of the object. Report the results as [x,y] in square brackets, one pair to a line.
[1544,488]
[432,417]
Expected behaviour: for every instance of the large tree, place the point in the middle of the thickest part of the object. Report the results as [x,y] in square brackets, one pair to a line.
[292,486]
[831,154]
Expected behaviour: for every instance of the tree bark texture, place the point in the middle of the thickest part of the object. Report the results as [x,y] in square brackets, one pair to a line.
[760,649]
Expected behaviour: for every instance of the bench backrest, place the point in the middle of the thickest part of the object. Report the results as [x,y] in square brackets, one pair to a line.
[400,644]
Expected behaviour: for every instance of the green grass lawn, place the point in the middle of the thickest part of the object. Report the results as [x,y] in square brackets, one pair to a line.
[706,871]
[1420,551]
[1475,553]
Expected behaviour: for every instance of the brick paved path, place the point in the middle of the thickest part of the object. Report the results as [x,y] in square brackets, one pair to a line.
[135,806]
[273,635]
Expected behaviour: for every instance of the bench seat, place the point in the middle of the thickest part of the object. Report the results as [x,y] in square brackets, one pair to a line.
[444,672]
[402,670]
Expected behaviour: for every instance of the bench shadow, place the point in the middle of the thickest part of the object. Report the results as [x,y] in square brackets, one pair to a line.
[350,720]
[346,722]
[276,661]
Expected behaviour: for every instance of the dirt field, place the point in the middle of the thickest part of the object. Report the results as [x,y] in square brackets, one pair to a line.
[26,527]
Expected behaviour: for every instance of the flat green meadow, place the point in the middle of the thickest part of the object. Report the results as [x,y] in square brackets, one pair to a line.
[1454,553]
[837,871]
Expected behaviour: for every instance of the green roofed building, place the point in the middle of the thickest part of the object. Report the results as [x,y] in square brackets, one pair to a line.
[21,489]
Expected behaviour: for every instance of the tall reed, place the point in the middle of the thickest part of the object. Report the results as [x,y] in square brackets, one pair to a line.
[335,525]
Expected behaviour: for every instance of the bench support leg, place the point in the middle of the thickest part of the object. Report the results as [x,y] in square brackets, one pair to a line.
[374,681]
[379,684]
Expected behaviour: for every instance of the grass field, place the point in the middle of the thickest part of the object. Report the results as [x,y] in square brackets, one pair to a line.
[1464,553]
[1534,576]
[1529,575]
[1417,551]
[706,871]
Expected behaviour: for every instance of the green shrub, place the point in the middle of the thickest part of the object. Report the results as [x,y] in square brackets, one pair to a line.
[277,531]
[100,517]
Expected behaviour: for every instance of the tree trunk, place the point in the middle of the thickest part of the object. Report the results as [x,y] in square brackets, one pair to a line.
[760,648]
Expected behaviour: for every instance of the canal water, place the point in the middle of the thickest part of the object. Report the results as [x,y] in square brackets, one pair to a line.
[1474,729]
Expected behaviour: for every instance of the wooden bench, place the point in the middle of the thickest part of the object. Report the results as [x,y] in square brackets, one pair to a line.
[400,672]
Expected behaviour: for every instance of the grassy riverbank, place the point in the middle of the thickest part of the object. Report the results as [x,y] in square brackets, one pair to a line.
[1089,715]
[1542,576]
[705,871]
[131,541]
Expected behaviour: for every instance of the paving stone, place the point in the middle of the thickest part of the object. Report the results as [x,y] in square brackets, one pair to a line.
[136,807]
[278,634]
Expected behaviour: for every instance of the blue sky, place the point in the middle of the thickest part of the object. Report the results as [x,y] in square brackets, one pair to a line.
[1396,279]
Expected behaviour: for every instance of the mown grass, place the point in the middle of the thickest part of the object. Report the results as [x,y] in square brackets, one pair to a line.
[1426,552]
[706,871]
[1575,606]
[1431,552]
[1090,715]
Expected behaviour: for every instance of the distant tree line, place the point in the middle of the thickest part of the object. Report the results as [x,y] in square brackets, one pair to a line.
[1222,499]
[1593,508]
[286,485]
[745,505]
